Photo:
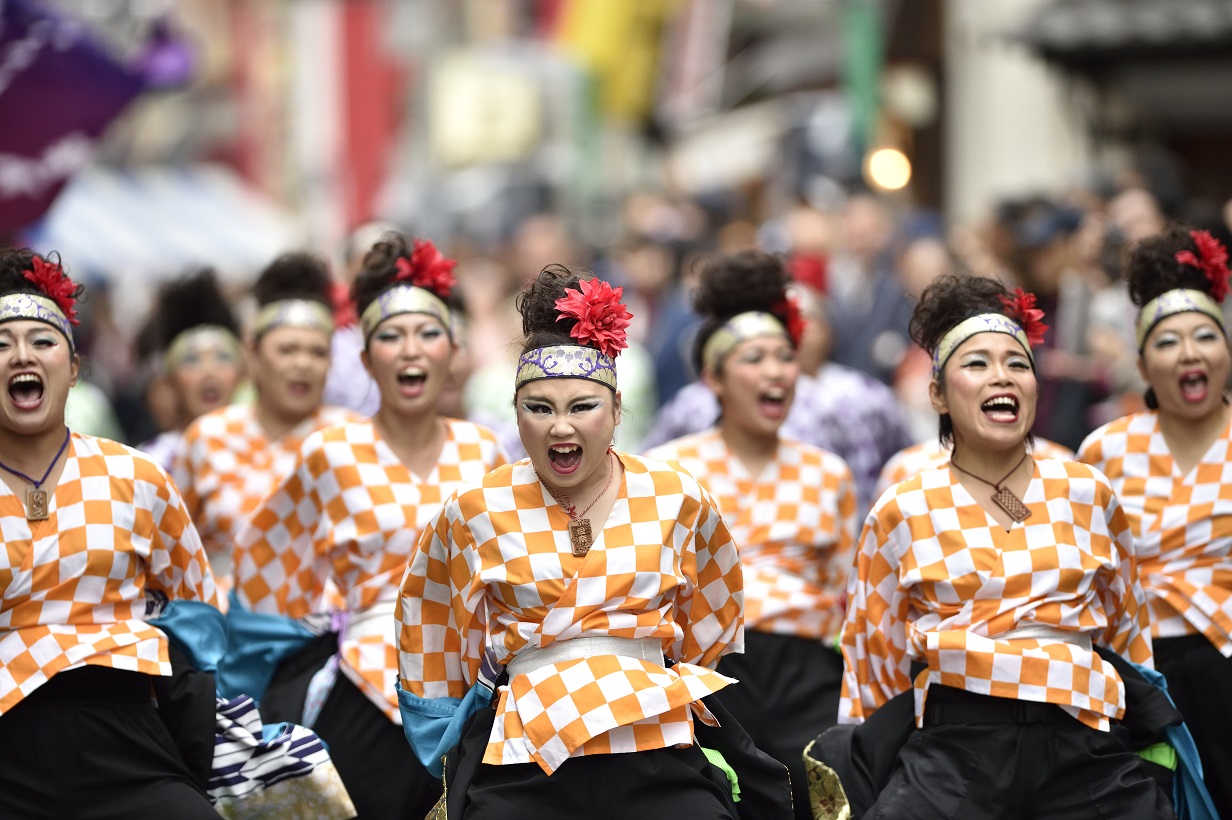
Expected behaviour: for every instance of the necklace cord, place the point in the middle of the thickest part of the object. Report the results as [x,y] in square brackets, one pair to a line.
[568,506]
[996,486]
[38,485]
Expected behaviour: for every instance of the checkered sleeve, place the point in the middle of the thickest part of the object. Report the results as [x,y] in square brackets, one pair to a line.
[277,570]
[876,665]
[177,561]
[1129,626]
[434,611]
[710,606]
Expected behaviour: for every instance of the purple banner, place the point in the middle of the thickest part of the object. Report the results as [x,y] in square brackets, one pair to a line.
[59,89]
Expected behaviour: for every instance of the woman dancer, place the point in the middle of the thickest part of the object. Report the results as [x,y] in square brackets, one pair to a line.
[588,573]
[91,531]
[353,508]
[231,458]
[790,507]
[927,455]
[998,574]
[200,364]
[1168,467]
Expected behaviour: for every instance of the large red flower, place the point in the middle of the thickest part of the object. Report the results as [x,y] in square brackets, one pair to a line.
[789,311]
[50,278]
[1021,308]
[345,313]
[601,318]
[1212,260]
[427,268]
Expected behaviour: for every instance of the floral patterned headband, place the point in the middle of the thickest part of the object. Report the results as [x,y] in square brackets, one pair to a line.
[1022,320]
[602,322]
[424,282]
[1212,260]
[53,305]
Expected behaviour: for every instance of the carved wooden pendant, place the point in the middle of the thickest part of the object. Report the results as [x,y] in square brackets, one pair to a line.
[581,536]
[36,504]
[1012,504]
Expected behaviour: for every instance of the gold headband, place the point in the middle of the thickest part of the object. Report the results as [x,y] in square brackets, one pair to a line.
[737,329]
[197,339]
[303,313]
[404,299]
[37,308]
[1166,304]
[964,330]
[566,362]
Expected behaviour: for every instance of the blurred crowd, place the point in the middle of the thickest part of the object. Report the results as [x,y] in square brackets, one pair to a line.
[859,262]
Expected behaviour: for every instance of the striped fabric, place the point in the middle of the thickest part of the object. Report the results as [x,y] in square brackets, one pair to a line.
[273,771]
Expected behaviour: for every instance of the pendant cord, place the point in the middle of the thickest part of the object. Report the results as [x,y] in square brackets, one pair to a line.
[996,486]
[38,485]
[568,506]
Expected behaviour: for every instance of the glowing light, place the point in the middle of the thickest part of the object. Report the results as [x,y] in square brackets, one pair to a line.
[888,169]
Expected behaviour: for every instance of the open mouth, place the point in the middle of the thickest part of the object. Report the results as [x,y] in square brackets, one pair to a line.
[26,390]
[210,395]
[412,379]
[1002,409]
[772,403]
[1194,387]
[299,389]
[565,458]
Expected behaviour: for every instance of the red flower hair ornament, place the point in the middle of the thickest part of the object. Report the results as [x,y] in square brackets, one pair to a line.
[788,311]
[1021,308]
[1212,260]
[427,268]
[601,318]
[50,278]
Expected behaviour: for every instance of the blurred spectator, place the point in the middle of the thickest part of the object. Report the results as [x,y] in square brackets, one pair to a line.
[868,310]
[922,260]
[653,290]
[348,383]
[1072,381]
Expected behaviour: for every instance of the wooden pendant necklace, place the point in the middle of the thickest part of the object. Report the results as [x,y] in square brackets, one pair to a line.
[581,536]
[1003,498]
[36,496]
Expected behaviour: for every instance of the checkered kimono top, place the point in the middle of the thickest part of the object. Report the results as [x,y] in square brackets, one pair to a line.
[1182,525]
[939,581]
[73,587]
[351,512]
[795,525]
[928,455]
[226,465]
[495,574]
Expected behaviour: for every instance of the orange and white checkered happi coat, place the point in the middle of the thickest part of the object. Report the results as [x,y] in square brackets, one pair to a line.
[496,574]
[1182,525]
[928,455]
[795,526]
[226,466]
[73,587]
[939,581]
[351,512]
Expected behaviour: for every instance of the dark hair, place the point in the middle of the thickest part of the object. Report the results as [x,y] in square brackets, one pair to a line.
[296,275]
[948,300]
[378,268]
[14,262]
[731,284]
[189,302]
[537,304]
[1151,267]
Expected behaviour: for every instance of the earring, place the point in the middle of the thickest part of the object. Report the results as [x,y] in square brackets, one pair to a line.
[1152,403]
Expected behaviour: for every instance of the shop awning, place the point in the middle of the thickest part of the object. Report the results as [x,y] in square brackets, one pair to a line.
[154,223]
